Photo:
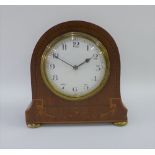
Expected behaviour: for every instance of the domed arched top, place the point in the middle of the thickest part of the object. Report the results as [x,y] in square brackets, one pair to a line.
[76,26]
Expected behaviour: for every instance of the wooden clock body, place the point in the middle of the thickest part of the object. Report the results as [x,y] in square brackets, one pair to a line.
[105,106]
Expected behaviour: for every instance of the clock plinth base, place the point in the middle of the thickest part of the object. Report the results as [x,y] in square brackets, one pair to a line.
[41,113]
[120,123]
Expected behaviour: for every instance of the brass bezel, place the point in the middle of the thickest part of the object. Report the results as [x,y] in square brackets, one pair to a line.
[53,88]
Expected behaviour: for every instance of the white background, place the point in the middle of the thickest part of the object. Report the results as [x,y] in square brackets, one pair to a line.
[132,27]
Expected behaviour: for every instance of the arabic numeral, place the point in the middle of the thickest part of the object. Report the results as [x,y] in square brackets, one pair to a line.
[87,47]
[76,44]
[95,78]
[62,86]
[55,77]
[55,55]
[52,66]
[64,46]
[86,87]
[95,56]
[75,89]
[98,67]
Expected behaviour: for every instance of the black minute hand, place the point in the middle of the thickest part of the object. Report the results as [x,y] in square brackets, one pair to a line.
[63,60]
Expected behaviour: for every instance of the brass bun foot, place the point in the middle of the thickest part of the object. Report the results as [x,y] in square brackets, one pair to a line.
[33,125]
[120,123]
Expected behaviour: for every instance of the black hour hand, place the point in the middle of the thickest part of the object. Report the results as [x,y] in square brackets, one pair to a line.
[86,61]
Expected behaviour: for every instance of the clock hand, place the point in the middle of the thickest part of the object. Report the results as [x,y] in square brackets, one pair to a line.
[63,60]
[86,61]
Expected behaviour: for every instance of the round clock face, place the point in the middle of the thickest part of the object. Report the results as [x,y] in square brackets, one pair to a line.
[75,66]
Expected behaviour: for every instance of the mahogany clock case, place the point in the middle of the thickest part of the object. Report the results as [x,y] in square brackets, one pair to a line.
[105,106]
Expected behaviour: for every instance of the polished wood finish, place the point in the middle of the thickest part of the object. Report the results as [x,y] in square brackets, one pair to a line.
[105,106]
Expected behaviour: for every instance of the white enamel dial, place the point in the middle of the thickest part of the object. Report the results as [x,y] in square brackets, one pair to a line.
[74,66]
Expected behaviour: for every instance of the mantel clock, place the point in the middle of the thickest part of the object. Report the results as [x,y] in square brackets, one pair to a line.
[75,77]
